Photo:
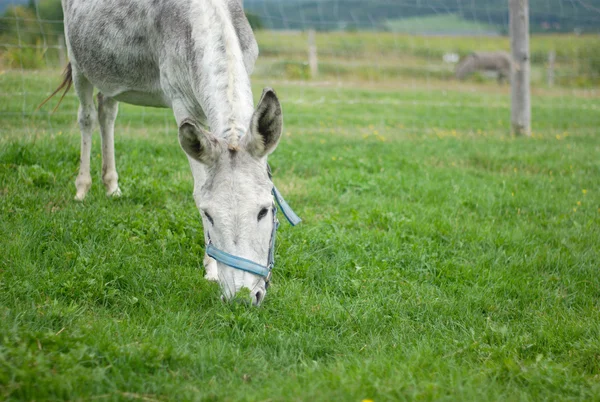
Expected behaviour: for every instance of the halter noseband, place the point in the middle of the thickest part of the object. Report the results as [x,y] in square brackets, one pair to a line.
[246,265]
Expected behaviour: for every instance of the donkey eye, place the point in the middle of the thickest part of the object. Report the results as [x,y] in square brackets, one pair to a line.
[210,219]
[263,212]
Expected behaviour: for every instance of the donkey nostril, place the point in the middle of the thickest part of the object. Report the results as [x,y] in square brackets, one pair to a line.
[258,297]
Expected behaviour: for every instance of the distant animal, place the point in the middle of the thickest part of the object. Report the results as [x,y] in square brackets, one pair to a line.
[499,62]
[450,57]
[194,57]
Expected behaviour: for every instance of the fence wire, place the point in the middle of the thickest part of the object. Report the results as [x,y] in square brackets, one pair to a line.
[354,51]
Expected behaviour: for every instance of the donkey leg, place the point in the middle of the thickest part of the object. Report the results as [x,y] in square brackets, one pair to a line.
[85,117]
[107,113]
[210,265]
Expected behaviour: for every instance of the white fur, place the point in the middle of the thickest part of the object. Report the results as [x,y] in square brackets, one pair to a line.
[195,57]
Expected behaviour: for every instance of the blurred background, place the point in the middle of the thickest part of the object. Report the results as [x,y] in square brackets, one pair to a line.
[374,40]
[367,44]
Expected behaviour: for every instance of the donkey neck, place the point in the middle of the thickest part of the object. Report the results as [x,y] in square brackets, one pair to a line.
[225,93]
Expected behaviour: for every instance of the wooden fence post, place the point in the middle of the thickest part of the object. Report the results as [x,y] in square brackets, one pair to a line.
[520,79]
[550,72]
[313,63]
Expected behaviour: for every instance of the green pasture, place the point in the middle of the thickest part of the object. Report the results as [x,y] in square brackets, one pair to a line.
[439,24]
[439,258]
[383,56]
[370,56]
[361,44]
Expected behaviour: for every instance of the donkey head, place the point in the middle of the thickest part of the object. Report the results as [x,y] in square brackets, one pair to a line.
[235,201]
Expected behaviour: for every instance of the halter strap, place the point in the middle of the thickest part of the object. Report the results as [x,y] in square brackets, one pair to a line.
[238,262]
[288,212]
[246,265]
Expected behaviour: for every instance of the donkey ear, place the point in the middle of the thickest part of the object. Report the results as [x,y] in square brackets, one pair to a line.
[266,125]
[196,142]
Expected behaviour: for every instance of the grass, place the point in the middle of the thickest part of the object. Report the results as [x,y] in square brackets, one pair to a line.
[439,257]
[439,24]
[381,55]
[364,44]
[577,56]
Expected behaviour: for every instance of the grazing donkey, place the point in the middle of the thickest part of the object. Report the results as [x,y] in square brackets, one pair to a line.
[499,62]
[195,57]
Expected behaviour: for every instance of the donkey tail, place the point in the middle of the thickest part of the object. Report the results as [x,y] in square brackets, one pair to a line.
[65,84]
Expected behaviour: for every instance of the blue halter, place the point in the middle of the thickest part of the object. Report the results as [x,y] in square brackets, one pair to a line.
[246,265]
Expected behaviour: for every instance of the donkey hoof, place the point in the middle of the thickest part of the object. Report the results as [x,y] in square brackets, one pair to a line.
[79,197]
[83,184]
[211,277]
[210,265]
[114,193]
[81,193]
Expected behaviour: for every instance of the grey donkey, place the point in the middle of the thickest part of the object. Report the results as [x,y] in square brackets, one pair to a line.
[499,62]
[194,57]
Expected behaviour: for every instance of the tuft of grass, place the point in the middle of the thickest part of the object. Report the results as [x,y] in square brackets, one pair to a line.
[438,258]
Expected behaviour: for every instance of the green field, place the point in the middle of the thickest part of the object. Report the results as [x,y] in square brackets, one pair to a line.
[367,56]
[439,24]
[439,257]
[381,56]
